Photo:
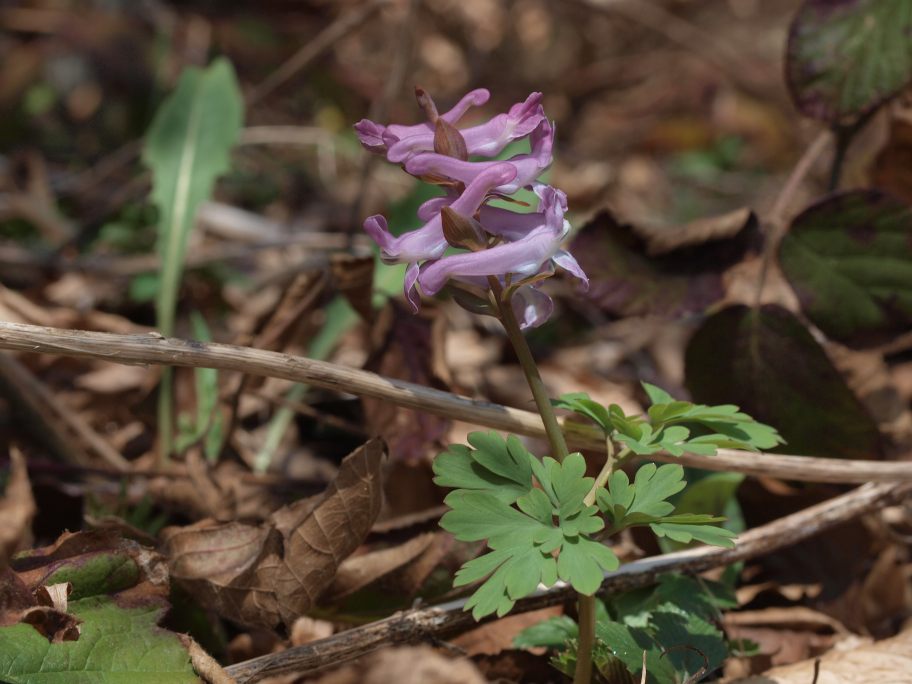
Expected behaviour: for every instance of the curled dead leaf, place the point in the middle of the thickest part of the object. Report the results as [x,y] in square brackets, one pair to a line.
[260,575]
[54,625]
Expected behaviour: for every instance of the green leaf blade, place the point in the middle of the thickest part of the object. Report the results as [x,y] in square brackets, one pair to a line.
[767,362]
[117,645]
[187,147]
[846,58]
[849,260]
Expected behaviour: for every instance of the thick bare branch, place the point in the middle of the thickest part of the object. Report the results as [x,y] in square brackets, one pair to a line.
[155,349]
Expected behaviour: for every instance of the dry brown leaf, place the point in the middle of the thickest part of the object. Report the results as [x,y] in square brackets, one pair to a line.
[261,575]
[222,491]
[109,378]
[305,629]
[353,276]
[793,592]
[17,508]
[286,317]
[54,625]
[883,662]
[664,239]
[494,637]
[50,616]
[781,646]
[886,594]
[407,347]
[795,617]
[872,381]
[357,572]
[407,665]
[410,578]
[893,167]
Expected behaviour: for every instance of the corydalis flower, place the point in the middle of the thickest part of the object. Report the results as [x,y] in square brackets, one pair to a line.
[508,251]
[528,166]
[486,140]
[533,247]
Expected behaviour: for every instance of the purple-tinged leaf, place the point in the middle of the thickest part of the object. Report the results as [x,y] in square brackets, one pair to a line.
[626,280]
[849,260]
[846,57]
[766,361]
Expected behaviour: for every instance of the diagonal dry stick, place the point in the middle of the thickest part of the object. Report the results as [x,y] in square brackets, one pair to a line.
[315,47]
[427,624]
[155,349]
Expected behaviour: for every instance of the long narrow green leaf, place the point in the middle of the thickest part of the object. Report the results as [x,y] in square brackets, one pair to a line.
[187,147]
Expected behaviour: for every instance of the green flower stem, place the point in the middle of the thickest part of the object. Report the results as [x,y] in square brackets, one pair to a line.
[586,614]
[533,377]
[583,673]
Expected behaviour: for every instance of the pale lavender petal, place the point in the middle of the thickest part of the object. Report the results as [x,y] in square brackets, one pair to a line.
[411,292]
[523,258]
[550,198]
[566,261]
[378,230]
[432,207]
[473,98]
[370,134]
[476,191]
[511,225]
[531,306]
[428,241]
[490,138]
[541,143]
[486,140]
[528,166]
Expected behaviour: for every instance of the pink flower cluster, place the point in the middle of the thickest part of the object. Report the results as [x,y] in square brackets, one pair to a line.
[519,249]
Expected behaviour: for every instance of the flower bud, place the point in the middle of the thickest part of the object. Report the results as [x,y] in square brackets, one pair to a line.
[448,141]
[426,102]
[462,231]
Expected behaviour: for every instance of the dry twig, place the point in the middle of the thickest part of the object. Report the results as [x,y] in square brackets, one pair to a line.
[155,349]
[314,48]
[777,220]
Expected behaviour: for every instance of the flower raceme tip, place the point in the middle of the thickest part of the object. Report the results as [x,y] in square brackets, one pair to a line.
[518,249]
